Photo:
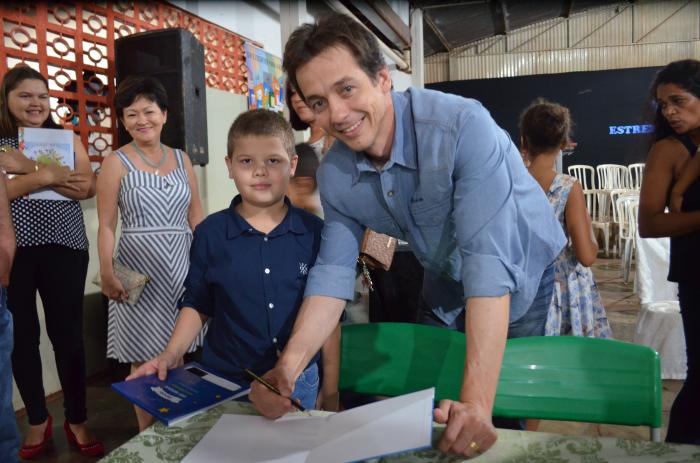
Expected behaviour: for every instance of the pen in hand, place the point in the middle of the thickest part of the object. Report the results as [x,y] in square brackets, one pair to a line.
[272,388]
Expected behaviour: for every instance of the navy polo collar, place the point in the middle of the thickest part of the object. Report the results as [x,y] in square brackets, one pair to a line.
[237,225]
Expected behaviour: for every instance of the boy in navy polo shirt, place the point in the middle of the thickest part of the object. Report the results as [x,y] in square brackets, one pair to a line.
[248,267]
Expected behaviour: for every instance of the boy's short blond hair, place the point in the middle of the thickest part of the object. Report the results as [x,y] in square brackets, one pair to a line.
[261,123]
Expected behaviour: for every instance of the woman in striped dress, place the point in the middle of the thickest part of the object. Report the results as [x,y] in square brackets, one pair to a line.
[155,190]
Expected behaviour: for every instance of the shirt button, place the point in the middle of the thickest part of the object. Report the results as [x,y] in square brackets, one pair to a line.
[390,193]
[267,270]
[274,340]
[265,239]
[271,305]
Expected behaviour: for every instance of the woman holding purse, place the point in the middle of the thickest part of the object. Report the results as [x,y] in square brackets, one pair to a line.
[51,259]
[154,189]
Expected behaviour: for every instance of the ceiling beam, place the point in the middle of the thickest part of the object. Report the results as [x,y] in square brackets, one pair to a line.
[448,4]
[393,20]
[567,6]
[366,12]
[499,14]
[436,30]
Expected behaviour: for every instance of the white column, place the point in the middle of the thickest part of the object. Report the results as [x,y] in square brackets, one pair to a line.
[292,15]
[417,60]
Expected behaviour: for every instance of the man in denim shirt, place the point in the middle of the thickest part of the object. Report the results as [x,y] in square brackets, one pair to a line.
[434,170]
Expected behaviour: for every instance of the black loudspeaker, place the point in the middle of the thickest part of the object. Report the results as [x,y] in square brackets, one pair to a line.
[176,58]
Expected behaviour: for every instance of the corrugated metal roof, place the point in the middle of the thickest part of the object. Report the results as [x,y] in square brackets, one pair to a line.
[646,33]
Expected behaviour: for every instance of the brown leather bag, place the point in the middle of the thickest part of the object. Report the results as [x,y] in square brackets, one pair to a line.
[377,250]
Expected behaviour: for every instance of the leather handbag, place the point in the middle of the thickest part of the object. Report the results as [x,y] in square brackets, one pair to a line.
[133,281]
[376,252]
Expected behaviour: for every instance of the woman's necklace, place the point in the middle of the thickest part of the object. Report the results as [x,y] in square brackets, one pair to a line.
[148,161]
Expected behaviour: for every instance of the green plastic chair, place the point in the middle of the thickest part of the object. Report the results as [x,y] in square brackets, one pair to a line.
[554,378]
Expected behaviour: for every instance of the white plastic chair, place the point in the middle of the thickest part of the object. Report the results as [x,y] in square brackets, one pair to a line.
[597,203]
[636,174]
[612,176]
[583,173]
[619,217]
[628,206]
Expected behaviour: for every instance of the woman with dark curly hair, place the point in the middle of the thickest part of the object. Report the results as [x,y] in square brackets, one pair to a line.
[676,93]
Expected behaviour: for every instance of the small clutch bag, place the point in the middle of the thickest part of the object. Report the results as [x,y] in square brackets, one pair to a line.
[133,281]
[376,251]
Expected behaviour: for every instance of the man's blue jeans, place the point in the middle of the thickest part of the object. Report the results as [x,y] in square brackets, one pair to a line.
[9,437]
[530,324]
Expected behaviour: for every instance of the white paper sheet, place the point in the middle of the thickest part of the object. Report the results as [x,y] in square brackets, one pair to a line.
[389,426]
[48,146]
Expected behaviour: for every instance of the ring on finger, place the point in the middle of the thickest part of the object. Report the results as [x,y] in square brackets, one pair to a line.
[474,446]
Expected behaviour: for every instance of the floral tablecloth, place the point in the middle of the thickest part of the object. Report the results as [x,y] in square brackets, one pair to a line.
[170,445]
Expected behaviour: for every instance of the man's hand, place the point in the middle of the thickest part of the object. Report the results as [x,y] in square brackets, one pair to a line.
[269,404]
[469,429]
[160,365]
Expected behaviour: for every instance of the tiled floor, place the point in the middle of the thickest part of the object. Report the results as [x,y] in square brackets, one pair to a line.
[112,418]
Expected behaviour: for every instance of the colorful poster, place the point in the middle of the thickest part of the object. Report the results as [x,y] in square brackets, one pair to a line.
[266,80]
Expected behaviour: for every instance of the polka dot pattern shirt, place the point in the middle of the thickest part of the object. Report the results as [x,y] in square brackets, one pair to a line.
[40,222]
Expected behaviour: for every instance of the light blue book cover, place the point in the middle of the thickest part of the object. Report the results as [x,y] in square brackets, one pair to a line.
[47,146]
[186,391]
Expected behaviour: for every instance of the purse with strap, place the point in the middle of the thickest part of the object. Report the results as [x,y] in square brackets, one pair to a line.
[376,251]
[133,281]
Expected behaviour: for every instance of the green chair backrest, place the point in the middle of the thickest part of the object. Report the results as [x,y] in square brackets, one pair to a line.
[580,379]
[397,358]
[554,378]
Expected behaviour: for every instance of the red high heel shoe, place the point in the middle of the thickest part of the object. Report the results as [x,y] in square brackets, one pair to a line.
[91,449]
[29,452]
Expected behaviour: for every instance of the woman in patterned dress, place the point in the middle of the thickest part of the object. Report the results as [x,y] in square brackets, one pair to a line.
[154,189]
[576,306]
[52,258]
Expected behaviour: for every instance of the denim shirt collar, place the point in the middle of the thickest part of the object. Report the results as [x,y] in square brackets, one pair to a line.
[403,149]
[237,225]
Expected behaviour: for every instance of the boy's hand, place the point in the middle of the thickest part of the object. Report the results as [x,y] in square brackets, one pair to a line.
[269,404]
[676,201]
[160,365]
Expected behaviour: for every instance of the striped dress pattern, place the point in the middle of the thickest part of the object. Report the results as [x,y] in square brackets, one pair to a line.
[155,240]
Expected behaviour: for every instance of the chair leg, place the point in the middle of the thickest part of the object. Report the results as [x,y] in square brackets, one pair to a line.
[606,237]
[627,260]
[655,434]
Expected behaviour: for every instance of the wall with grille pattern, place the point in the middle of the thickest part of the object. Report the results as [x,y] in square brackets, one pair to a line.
[72,44]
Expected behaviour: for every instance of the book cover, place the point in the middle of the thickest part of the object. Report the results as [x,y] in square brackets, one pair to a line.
[47,146]
[186,391]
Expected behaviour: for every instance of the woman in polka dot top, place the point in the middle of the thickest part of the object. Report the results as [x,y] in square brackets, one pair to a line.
[52,258]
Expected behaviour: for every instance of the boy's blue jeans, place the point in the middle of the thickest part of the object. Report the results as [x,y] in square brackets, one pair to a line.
[9,437]
[306,387]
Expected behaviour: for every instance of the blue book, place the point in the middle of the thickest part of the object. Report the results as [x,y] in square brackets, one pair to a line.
[188,390]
